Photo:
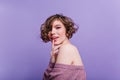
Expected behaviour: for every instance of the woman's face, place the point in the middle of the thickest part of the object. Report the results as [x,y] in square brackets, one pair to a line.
[58,32]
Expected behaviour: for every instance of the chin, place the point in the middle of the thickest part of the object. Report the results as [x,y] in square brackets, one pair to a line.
[57,43]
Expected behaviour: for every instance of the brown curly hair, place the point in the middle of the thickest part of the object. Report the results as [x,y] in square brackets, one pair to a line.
[47,26]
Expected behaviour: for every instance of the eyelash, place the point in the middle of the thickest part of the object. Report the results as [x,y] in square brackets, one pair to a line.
[58,27]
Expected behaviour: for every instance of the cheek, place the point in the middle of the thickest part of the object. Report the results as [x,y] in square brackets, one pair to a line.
[63,34]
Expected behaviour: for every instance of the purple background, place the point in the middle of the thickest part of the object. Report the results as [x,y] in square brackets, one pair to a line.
[23,56]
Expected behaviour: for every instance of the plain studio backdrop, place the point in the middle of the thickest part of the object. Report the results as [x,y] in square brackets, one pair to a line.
[23,55]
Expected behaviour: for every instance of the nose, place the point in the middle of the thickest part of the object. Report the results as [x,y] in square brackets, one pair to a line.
[53,31]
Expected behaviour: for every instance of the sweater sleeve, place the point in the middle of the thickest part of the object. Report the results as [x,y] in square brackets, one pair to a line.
[65,72]
[48,71]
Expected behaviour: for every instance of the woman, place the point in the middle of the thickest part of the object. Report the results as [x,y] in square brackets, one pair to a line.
[65,62]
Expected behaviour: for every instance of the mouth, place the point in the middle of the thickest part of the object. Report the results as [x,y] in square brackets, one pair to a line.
[54,38]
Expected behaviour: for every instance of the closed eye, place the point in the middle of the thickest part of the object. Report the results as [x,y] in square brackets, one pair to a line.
[58,27]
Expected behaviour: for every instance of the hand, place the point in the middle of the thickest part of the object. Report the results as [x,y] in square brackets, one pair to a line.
[54,52]
[55,48]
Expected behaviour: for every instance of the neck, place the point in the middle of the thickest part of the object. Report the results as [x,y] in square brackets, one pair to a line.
[66,41]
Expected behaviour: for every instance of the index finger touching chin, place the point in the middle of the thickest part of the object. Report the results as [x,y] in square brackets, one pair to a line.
[52,43]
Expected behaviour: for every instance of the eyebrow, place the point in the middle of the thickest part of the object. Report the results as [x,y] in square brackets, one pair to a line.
[57,25]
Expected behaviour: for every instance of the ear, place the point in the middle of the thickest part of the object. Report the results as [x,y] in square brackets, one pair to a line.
[49,35]
[67,35]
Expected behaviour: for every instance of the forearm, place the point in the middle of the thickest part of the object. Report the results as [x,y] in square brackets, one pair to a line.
[53,58]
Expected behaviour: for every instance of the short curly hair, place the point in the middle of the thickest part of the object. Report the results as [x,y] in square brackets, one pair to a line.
[66,21]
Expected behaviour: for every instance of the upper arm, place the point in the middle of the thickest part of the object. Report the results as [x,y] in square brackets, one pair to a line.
[65,55]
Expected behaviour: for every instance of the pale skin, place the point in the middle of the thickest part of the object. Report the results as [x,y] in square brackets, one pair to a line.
[63,52]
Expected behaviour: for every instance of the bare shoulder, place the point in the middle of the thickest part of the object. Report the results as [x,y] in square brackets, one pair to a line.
[69,54]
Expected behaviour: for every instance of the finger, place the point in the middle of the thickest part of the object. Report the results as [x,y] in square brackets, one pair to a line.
[52,44]
[56,51]
[57,47]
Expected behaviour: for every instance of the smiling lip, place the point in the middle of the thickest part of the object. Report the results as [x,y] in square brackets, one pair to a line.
[54,38]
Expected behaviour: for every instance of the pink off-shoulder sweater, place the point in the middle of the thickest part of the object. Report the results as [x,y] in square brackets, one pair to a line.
[64,72]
